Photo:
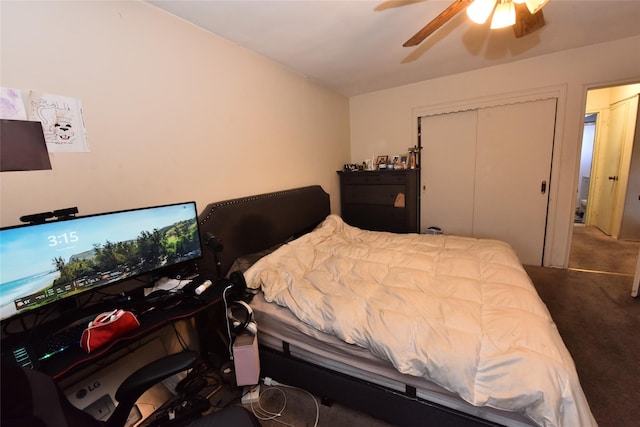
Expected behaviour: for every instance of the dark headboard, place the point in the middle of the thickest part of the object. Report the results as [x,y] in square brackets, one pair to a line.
[254,223]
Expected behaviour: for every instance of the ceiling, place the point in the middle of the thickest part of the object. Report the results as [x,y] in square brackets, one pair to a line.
[355,46]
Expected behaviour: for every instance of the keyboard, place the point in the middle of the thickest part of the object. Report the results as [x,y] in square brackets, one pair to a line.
[59,342]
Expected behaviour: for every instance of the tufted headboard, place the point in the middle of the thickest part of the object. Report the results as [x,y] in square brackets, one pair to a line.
[255,223]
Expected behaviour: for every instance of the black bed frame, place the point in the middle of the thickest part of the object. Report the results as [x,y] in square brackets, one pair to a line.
[251,224]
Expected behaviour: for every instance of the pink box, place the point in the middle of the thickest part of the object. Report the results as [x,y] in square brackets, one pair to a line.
[246,359]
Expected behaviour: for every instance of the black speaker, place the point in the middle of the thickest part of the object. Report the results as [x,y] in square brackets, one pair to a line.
[239,284]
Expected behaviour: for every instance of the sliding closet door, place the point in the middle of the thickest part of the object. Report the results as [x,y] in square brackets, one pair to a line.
[513,168]
[448,172]
[485,173]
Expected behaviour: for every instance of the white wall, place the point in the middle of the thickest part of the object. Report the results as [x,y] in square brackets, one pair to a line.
[584,173]
[384,122]
[587,150]
[173,113]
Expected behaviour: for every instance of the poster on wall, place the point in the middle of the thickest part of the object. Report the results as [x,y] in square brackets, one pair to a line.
[12,104]
[62,121]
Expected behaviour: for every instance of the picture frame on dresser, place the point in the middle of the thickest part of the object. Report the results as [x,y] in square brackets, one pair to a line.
[382,160]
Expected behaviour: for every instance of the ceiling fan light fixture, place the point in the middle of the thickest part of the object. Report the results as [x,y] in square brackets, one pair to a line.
[535,5]
[480,10]
[504,15]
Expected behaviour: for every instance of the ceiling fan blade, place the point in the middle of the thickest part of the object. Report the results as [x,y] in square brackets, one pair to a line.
[437,22]
[527,23]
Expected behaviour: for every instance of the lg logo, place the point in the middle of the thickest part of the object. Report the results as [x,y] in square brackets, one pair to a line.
[83,392]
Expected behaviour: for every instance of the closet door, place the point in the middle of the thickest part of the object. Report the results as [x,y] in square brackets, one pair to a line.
[513,169]
[485,173]
[448,172]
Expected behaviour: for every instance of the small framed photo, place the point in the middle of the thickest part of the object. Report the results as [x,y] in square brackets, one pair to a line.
[395,159]
[404,160]
[382,160]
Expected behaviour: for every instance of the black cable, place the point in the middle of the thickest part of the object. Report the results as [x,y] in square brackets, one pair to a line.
[181,340]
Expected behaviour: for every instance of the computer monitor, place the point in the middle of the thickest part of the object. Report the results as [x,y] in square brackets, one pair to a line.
[41,264]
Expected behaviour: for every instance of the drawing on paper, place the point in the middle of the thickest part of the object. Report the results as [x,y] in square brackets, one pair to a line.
[11,104]
[62,121]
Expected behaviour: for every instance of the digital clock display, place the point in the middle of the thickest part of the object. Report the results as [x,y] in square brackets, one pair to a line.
[63,239]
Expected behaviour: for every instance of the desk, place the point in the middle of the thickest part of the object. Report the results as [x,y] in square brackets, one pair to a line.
[72,360]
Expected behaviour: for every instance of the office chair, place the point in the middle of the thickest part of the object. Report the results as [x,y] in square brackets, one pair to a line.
[32,399]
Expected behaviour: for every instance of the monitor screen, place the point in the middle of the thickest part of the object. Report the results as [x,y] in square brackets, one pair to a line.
[44,263]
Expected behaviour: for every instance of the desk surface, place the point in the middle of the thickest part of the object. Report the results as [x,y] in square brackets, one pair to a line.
[73,359]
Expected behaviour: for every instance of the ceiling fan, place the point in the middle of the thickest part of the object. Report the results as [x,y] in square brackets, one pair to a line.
[524,15]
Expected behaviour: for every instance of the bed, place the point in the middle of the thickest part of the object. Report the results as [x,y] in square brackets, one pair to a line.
[413,329]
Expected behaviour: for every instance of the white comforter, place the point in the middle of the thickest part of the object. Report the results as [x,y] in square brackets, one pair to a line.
[461,312]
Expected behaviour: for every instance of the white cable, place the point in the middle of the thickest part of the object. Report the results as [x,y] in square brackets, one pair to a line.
[226,310]
[264,414]
[273,385]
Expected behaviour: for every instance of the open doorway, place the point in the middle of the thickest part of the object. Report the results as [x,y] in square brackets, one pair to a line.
[606,234]
[586,160]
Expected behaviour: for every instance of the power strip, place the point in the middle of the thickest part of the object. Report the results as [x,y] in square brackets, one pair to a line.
[251,394]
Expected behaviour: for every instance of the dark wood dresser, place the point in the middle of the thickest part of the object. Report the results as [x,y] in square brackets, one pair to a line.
[381,200]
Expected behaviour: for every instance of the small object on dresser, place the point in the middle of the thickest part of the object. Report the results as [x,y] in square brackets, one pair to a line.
[369,164]
[381,161]
[433,230]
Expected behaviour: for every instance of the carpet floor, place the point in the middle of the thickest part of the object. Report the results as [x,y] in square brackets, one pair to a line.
[599,322]
[591,249]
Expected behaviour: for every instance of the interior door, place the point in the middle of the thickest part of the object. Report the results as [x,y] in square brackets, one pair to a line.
[630,225]
[514,150]
[608,170]
[485,173]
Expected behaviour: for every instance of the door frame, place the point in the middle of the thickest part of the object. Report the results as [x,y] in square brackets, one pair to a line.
[594,190]
[559,93]
[602,118]
[591,192]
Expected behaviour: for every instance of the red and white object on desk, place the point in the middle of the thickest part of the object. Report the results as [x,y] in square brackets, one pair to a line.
[106,327]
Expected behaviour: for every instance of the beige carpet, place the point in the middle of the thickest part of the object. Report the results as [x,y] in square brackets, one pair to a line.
[591,249]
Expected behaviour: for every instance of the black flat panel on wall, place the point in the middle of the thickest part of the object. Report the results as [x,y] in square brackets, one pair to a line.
[22,146]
